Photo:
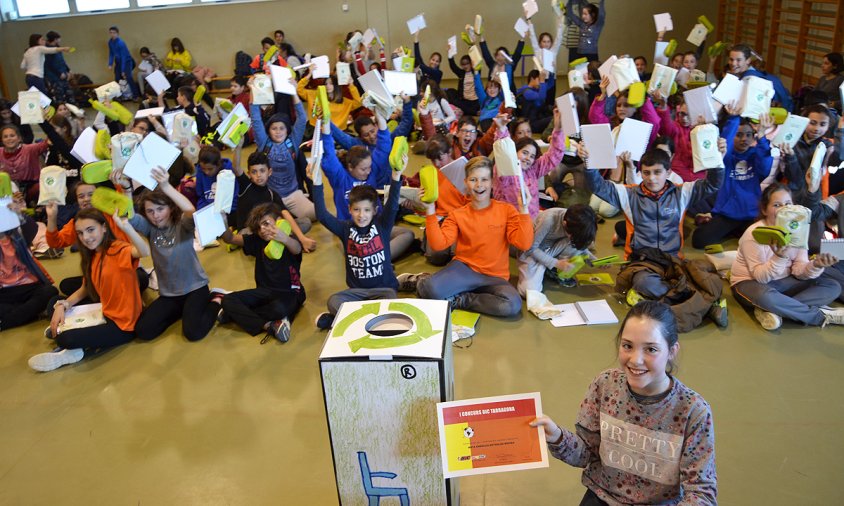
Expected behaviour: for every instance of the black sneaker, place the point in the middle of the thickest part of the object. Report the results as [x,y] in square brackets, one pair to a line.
[718,313]
[279,329]
[408,281]
[324,321]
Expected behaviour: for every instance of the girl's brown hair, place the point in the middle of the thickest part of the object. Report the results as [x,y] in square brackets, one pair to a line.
[87,255]
[159,198]
[355,155]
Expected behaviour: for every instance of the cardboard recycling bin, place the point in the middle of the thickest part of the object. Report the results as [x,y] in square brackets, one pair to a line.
[384,366]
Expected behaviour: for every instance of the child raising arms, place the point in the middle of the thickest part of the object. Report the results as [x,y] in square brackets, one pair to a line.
[673,461]
[366,243]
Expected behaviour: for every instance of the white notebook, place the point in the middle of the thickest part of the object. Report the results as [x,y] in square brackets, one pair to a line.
[634,137]
[599,143]
[400,82]
[153,151]
[834,247]
[455,172]
[281,80]
[158,82]
[586,312]
[728,90]
[790,131]
[699,103]
[568,114]
[209,224]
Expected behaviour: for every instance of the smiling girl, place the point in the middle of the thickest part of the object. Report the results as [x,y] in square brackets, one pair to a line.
[108,270]
[642,436]
[167,222]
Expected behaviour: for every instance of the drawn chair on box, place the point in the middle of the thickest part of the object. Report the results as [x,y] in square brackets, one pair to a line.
[376,493]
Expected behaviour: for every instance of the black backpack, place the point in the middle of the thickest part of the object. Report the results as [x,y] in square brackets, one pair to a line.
[241,64]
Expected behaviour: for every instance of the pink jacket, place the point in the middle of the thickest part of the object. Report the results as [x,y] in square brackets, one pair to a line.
[682,163]
[649,115]
[757,262]
[506,189]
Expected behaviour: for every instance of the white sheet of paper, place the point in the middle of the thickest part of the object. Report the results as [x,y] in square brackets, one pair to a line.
[521,27]
[224,191]
[659,53]
[663,22]
[599,143]
[548,61]
[585,312]
[398,82]
[728,90]
[153,151]
[568,114]
[606,70]
[506,159]
[504,81]
[790,131]
[281,80]
[368,36]
[30,108]
[416,23]
[530,8]
[455,172]
[683,76]
[152,111]
[323,67]
[699,103]
[452,46]
[83,148]
[372,82]
[209,224]
[634,137]
[44,101]
[158,81]
[9,220]
[344,73]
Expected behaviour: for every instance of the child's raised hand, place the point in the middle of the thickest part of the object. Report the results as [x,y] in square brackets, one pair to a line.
[605,83]
[553,432]
[502,119]
[625,157]
[766,121]
[558,121]
[722,145]
[160,176]
[397,173]
[52,209]
[122,222]
[582,152]
[405,98]
[732,109]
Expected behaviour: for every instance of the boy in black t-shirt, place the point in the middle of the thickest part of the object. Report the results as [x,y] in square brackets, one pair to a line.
[366,243]
[254,191]
[279,293]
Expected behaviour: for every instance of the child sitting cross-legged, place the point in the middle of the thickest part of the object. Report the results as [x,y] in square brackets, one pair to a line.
[365,237]
[278,293]
[478,277]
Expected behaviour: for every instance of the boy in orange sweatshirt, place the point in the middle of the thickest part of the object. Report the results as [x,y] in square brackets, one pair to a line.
[483,230]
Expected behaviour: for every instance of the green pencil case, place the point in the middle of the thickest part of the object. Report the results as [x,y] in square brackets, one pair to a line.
[275,249]
[96,172]
[5,185]
[775,234]
[108,201]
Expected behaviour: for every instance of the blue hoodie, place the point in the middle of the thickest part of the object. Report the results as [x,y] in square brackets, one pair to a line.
[738,197]
[282,155]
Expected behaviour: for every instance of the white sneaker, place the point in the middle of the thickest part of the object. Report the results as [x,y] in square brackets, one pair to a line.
[408,281]
[769,321]
[833,316]
[53,360]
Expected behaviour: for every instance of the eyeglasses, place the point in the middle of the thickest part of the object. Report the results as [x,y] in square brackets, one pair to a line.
[473,131]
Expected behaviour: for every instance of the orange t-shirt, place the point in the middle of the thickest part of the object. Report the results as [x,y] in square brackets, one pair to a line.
[12,271]
[113,275]
[449,197]
[483,236]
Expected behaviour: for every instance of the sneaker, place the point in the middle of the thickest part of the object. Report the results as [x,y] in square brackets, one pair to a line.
[324,321]
[633,297]
[408,281]
[617,241]
[566,283]
[222,317]
[833,316]
[769,321]
[48,333]
[718,313]
[279,329]
[457,301]
[50,253]
[53,360]
[217,295]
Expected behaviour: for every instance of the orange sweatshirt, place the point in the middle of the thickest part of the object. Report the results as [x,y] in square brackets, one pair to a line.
[483,236]
[113,275]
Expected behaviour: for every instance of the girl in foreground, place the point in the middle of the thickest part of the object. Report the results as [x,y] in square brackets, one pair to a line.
[642,436]
[108,273]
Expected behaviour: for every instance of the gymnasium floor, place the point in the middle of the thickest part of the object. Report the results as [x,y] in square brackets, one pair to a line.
[229,421]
